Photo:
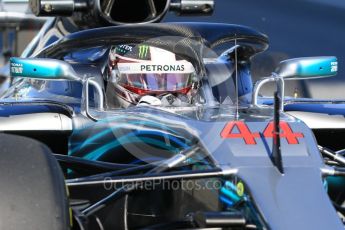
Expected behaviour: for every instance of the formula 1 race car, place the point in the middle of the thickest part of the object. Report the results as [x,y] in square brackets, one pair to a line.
[156,126]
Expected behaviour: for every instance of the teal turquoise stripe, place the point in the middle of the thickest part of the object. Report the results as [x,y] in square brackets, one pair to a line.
[226,200]
[99,135]
[139,132]
[230,194]
[94,155]
[174,139]
[231,185]
[126,119]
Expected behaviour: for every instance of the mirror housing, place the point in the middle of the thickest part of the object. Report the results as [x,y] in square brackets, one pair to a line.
[58,8]
[42,68]
[297,69]
[53,69]
[307,68]
[191,7]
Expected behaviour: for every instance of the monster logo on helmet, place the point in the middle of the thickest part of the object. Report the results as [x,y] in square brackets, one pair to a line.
[143,51]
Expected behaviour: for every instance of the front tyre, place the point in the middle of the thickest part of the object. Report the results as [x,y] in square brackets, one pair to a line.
[32,189]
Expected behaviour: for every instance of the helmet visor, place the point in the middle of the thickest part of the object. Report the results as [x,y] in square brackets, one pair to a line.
[146,83]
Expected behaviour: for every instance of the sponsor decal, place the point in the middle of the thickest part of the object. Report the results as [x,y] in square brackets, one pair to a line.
[334,66]
[16,68]
[143,51]
[166,68]
[239,129]
[240,189]
[150,67]
[124,68]
[123,49]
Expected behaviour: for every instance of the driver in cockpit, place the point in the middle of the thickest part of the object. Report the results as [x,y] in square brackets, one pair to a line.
[147,75]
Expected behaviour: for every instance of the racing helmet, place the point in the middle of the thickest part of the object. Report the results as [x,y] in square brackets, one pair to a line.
[147,74]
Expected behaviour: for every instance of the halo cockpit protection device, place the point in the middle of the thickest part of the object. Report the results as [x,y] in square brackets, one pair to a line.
[116,12]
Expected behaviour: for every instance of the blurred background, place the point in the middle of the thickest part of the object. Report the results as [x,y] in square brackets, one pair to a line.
[296,28]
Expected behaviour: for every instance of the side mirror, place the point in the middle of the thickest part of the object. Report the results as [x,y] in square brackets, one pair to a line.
[307,68]
[298,69]
[42,68]
[52,69]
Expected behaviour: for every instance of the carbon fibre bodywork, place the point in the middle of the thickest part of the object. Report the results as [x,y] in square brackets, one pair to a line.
[288,201]
[237,143]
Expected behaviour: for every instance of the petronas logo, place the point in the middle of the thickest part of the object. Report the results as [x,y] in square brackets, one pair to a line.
[143,51]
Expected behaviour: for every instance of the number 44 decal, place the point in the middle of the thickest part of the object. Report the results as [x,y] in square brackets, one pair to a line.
[249,137]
